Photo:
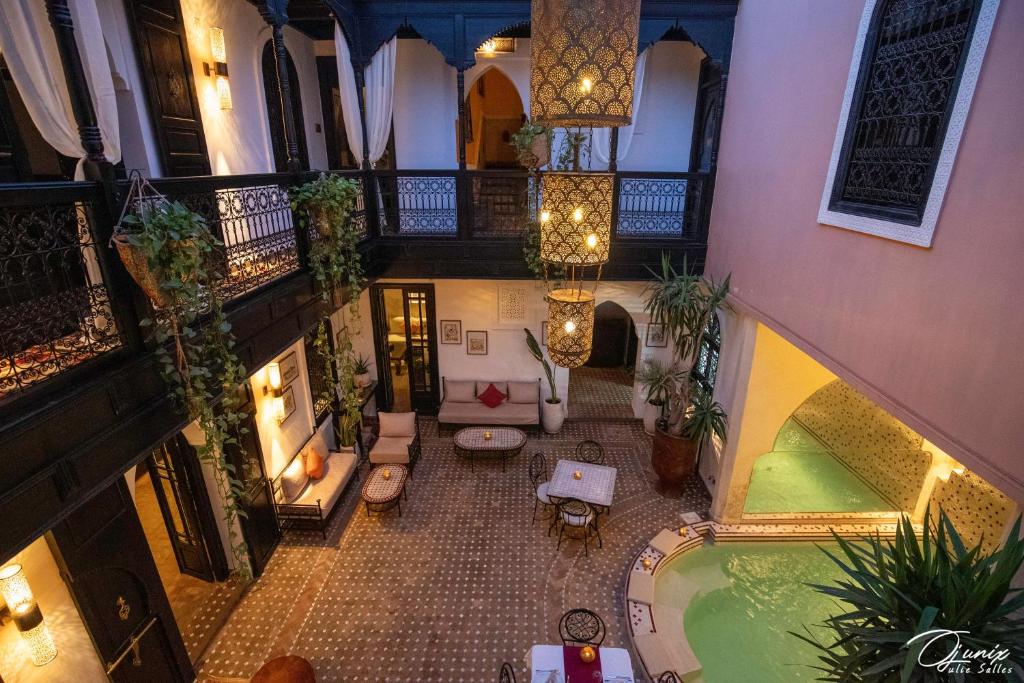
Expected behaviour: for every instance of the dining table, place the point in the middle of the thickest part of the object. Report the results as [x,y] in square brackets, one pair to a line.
[613,665]
[595,484]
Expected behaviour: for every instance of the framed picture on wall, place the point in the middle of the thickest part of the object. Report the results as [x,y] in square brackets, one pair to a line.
[289,369]
[476,342]
[544,333]
[288,401]
[451,331]
[656,337]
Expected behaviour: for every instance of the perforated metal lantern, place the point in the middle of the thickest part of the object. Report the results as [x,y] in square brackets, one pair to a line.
[576,218]
[570,326]
[583,61]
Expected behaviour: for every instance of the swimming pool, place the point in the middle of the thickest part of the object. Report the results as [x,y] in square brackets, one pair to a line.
[738,602]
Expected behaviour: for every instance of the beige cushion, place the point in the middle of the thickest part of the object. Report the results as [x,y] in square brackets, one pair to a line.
[666,541]
[477,413]
[397,424]
[294,480]
[641,587]
[524,392]
[318,443]
[481,387]
[338,469]
[459,391]
[656,653]
[391,450]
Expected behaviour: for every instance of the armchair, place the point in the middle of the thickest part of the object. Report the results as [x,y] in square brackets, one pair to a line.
[398,440]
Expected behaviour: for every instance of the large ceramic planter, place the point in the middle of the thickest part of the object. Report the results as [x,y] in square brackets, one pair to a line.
[652,411]
[552,417]
[674,458]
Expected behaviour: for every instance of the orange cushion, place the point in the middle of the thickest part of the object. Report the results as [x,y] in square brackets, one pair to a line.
[314,464]
[492,397]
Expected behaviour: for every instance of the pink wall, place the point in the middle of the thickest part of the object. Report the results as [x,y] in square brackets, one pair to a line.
[935,335]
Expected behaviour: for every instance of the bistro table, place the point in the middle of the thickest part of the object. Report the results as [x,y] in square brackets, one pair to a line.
[541,660]
[382,492]
[595,486]
[501,442]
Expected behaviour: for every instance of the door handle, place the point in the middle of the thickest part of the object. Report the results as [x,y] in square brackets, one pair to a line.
[132,647]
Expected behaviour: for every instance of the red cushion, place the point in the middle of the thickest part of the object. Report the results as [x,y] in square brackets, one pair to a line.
[492,396]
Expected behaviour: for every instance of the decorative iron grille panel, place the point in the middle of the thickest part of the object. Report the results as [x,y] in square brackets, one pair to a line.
[706,366]
[54,307]
[255,225]
[418,205]
[909,77]
[500,205]
[316,368]
[652,207]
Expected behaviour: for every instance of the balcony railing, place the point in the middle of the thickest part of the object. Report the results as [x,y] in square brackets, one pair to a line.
[61,306]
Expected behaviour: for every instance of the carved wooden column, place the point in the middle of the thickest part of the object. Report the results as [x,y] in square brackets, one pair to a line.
[460,88]
[613,150]
[360,76]
[284,89]
[78,88]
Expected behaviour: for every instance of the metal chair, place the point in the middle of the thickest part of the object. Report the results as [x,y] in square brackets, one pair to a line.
[539,477]
[590,452]
[581,627]
[507,674]
[668,677]
[577,515]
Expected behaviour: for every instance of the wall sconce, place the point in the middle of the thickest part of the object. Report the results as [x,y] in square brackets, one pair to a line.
[28,619]
[274,388]
[219,68]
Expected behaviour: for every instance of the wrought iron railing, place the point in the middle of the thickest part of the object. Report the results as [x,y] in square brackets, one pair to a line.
[55,310]
[59,308]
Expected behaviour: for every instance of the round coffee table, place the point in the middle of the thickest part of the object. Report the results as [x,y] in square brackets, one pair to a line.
[286,669]
[501,442]
[384,488]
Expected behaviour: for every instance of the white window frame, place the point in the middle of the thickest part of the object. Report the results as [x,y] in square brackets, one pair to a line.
[920,235]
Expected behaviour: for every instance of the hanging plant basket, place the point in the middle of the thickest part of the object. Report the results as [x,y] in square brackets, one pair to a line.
[321,220]
[138,267]
[540,151]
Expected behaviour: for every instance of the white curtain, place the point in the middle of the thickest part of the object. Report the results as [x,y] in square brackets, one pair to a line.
[30,49]
[601,140]
[349,95]
[380,91]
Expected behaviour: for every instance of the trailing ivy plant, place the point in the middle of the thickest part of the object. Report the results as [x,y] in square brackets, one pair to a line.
[203,372]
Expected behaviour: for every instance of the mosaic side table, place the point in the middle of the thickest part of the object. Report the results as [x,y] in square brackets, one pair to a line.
[381,494]
[504,443]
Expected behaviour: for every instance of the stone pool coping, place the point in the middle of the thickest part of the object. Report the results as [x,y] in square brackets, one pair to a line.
[656,630]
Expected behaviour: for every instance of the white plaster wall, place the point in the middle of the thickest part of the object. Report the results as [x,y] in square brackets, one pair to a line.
[77,659]
[238,140]
[425,107]
[280,442]
[664,123]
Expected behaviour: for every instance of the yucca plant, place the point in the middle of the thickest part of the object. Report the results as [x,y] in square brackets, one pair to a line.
[896,590]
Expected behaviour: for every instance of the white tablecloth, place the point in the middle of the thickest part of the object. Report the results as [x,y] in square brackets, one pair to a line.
[542,659]
[597,485]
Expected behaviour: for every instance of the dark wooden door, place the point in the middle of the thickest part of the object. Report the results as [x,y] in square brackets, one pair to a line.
[275,115]
[106,562]
[162,48]
[706,124]
[419,359]
[177,478]
[14,166]
[260,528]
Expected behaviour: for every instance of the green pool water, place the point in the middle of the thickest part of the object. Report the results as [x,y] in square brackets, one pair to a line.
[748,596]
[800,475]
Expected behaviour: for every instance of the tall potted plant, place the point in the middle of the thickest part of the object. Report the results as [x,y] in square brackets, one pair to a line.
[551,416]
[660,380]
[684,303]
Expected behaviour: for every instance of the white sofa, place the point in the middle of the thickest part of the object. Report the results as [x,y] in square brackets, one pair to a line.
[304,502]
[460,405]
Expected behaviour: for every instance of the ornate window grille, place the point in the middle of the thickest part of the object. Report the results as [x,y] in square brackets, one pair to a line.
[317,373]
[706,366]
[910,86]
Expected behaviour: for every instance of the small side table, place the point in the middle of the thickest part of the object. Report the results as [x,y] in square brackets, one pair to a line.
[381,494]
[286,669]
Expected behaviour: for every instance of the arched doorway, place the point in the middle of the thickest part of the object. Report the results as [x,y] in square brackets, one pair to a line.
[275,115]
[603,387]
[494,111]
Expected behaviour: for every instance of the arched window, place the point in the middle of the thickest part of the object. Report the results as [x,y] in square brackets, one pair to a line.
[706,366]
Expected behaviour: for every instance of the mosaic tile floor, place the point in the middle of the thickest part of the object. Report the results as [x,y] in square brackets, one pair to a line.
[600,393]
[457,584]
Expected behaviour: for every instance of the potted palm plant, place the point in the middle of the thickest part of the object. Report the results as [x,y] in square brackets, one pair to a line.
[361,370]
[660,380]
[684,303]
[551,415]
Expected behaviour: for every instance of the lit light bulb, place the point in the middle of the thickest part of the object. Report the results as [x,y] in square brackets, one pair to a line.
[488,47]
[577,215]
[569,326]
[586,85]
[545,216]
[592,240]
[224,93]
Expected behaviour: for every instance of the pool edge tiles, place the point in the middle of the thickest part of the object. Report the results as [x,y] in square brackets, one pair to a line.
[657,635]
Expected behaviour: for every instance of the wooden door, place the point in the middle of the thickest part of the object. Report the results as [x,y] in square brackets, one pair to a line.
[706,124]
[106,562]
[14,166]
[162,49]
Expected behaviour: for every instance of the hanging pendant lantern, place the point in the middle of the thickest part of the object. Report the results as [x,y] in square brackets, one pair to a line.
[576,218]
[583,62]
[570,326]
